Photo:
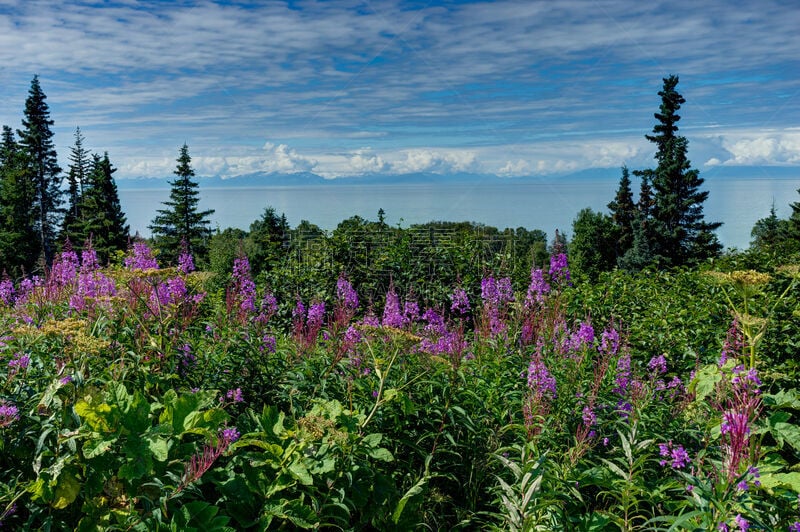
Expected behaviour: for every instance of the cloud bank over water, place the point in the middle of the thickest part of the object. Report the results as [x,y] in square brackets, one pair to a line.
[350,88]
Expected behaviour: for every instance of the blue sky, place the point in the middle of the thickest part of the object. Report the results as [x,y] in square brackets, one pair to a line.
[344,88]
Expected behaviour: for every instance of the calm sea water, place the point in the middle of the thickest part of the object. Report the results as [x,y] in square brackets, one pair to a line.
[738,202]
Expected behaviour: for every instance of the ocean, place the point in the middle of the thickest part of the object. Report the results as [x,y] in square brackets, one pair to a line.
[546,205]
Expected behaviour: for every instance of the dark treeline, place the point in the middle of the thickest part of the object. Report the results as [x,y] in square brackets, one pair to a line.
[43,208]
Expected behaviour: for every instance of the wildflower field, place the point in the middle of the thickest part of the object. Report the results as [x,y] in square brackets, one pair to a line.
[135,397]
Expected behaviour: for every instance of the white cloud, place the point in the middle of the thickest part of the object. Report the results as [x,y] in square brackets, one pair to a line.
[744,148]
[286,160]
[435,161]
[363,162]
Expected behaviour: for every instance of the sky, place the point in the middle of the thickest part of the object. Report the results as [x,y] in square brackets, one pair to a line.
[345,87]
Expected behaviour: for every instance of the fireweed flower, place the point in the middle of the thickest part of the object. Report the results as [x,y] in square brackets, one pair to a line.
[733,345]
[675,455]
[7,294]
[584,336]
[64,269]
[559,271]
[234,396]
[410,312]
[202,462]
[185,262]
[268,308]
[540,381]
[268,344]
[392,315]
[89,260]
[537,290]
[623,378]
[609,342]
[346,302]
[241,295]
[8,414]
[459,302]
[436,324]
[496,294]
[741,410]
[658,365]
[141,258]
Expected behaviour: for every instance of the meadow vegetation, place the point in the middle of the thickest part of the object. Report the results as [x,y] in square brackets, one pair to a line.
[140,397]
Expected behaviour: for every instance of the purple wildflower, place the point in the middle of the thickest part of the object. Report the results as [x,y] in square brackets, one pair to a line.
[540,381]
[185,262]
[584,336]
[609,342]
[537,290]
[459,302]
[742,408]
[141,257]
[230,435]
[242,293]
[7,294]
[588,415]
[269,344]
[623,377]
[794,527]
[410,311]
[733,345]
[89,260]
[235,396]
[19,362]
[345,293]
[436,324]
[559,271]
[9,413]
[741,522]
[658,365]
[392,315]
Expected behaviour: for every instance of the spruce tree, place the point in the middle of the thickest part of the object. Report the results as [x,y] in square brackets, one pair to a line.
[77,177]
[19,247]
[623,212]
[793,228]
[102,220]
[41,168]
[181,220]
[681,236]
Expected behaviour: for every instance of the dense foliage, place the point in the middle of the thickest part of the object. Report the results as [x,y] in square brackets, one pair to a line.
[135,399]
[180,222]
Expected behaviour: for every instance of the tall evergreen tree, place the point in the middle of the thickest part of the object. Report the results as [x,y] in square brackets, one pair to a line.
[592,247]
[77,177]
[268,240]
[623,212]
[36,141]
[102,219]
[681,234]
[181,220]
[794,222]
[19,247]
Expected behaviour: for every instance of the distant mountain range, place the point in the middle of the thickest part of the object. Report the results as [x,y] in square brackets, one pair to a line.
[259,180]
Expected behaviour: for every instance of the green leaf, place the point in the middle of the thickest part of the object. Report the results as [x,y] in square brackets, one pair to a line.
[704,382]
[159,447]
[372,440]
[96,447]
[415,490]
[381,454]
[787,480]
[66,491]
[300,472]
[787,432]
